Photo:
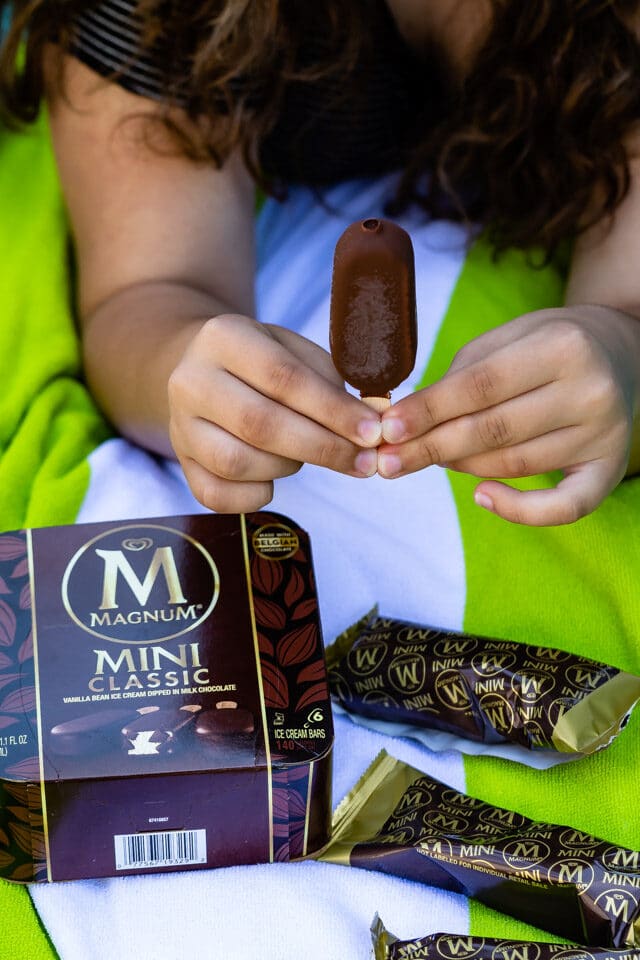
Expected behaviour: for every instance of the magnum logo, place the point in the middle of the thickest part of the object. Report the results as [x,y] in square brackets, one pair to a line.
[366,659]
[400,837]
[419,635]
[584,677]
[516,950]
[621,861]
[500,819]
[129,585]
[491,663]
[532,685]
[459,800]
[445,821]
[621,905]
[575,839]
[407,673]
[574,871]
[523,853]
[454,645]
[458,948]
[452,690]
[418,796]
[547,654]
[499,712]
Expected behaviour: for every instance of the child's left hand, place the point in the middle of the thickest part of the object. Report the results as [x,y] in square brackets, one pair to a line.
[556,389]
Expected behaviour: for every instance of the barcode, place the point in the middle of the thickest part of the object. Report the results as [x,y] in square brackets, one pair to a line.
[165,849]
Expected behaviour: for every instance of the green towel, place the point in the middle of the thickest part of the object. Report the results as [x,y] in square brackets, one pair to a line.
[572,587]
[48,424]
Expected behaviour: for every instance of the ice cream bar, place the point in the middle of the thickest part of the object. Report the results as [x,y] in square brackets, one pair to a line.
[158,731]
[91,733]
[373,334]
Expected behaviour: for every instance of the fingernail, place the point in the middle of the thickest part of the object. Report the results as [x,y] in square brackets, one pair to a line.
[483,500]
[389,464]
[393,430]
[370,431]
[367,462]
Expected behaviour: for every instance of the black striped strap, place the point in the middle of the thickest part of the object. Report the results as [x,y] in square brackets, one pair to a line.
[107,38]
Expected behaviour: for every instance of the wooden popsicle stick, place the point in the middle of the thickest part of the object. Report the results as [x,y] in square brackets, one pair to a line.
[377,403]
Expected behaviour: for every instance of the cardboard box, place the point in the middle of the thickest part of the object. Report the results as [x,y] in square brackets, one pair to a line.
[163,697]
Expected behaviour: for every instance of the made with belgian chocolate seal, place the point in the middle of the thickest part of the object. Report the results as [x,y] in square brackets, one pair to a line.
[482,689]
[451,946]
[399,821]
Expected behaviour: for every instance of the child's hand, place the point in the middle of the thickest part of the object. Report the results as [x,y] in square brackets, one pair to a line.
[551,390]
[250,403]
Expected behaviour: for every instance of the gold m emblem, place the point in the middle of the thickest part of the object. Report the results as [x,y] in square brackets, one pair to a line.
[116,562]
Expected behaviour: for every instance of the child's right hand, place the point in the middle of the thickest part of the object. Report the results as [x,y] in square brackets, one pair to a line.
[250,403]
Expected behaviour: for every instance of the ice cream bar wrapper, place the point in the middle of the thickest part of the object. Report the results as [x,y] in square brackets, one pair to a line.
[399,821]
[481,689]
[452,946]
[163,697]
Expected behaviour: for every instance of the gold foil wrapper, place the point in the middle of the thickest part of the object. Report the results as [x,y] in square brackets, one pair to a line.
[452,946]
[477,688]
[399,821]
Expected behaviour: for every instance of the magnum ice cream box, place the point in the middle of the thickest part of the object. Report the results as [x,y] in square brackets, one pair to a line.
[163,697]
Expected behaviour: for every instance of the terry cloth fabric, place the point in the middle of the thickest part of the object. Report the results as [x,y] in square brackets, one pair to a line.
[418,547]
[48,424]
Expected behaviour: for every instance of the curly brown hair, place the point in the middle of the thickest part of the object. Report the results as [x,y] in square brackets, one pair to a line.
[533,143]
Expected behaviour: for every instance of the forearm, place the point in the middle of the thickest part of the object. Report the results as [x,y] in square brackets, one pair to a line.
[131,343]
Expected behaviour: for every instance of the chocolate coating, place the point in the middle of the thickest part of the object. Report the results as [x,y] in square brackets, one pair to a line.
[373,329]
[92,733]
[156,732]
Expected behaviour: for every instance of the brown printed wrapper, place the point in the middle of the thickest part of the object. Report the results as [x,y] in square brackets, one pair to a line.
[160,678]
[399,821]
[451,946]
[486,690]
